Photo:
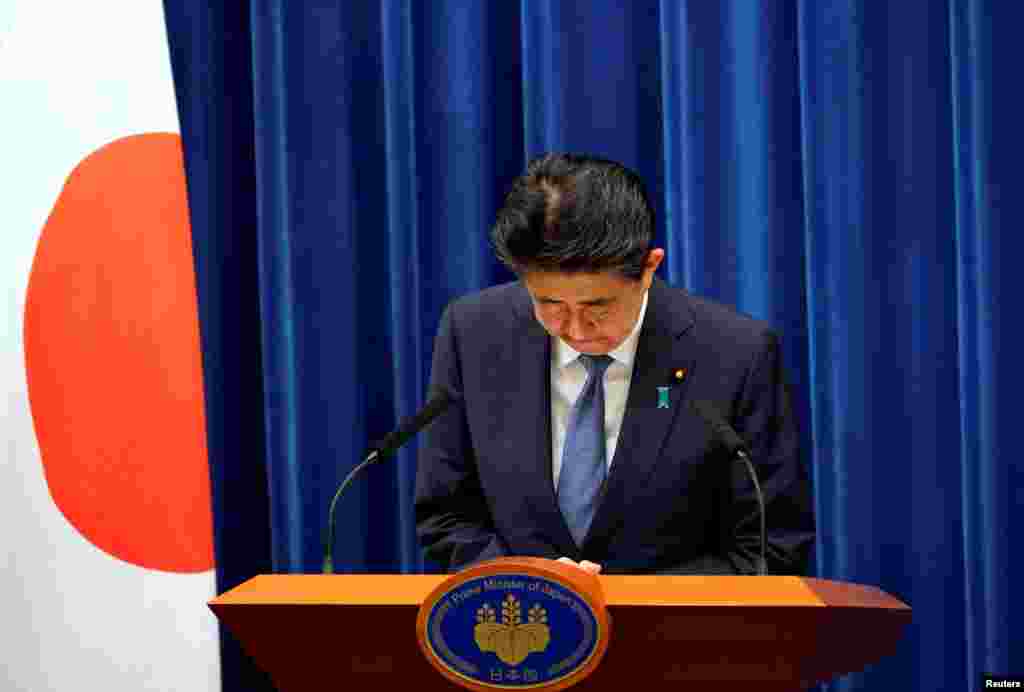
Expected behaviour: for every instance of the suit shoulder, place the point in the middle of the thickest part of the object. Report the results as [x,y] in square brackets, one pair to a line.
[728,316]
[717,323]
[489,303]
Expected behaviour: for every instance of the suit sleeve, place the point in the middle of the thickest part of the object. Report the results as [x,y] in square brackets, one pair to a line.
[453,521]
[762,414]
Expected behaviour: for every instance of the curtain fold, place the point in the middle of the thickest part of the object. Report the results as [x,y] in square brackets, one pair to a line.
[408,335]
[987,146]
[882,304]
[839,168]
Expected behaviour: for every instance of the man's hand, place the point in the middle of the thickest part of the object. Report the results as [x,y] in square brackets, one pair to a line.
[585,565]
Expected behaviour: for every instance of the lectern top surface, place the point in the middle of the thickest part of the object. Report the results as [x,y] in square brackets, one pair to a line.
[619,591]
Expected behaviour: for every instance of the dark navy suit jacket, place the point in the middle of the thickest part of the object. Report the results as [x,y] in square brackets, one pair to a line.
[673,503]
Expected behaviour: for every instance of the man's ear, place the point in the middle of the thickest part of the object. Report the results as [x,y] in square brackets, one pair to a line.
[654,259]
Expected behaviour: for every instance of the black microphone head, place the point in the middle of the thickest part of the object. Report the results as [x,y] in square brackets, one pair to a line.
[706,410]
[441,398]
[720,429]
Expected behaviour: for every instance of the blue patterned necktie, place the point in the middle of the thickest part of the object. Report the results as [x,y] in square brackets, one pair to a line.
[583,460]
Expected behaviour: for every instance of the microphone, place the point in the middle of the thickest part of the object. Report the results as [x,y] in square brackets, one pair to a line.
[382,449]
[727,436]
[391,442]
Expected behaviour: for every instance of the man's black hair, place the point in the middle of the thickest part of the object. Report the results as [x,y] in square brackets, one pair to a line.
[572,213]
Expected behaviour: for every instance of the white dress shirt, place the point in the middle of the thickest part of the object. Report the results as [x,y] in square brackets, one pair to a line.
[568,375]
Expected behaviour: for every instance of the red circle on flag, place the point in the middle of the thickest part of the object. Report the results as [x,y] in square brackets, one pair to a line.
[113,359]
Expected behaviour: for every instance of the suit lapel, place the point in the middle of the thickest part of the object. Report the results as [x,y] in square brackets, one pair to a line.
[647,420]
[531,424]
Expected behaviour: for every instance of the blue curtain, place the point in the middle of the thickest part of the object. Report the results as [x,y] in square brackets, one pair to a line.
[836,167]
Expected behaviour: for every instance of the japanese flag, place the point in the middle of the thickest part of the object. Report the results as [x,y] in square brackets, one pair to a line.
[108,558]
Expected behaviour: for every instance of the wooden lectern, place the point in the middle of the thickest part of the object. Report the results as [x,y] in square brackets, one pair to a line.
[668,632]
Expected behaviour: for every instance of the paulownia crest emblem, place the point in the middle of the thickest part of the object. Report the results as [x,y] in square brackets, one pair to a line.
[512,640]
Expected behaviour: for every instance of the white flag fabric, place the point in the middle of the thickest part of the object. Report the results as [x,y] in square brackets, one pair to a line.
[108,559]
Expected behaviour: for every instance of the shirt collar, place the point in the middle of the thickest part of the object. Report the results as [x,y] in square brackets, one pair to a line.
[625,353]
